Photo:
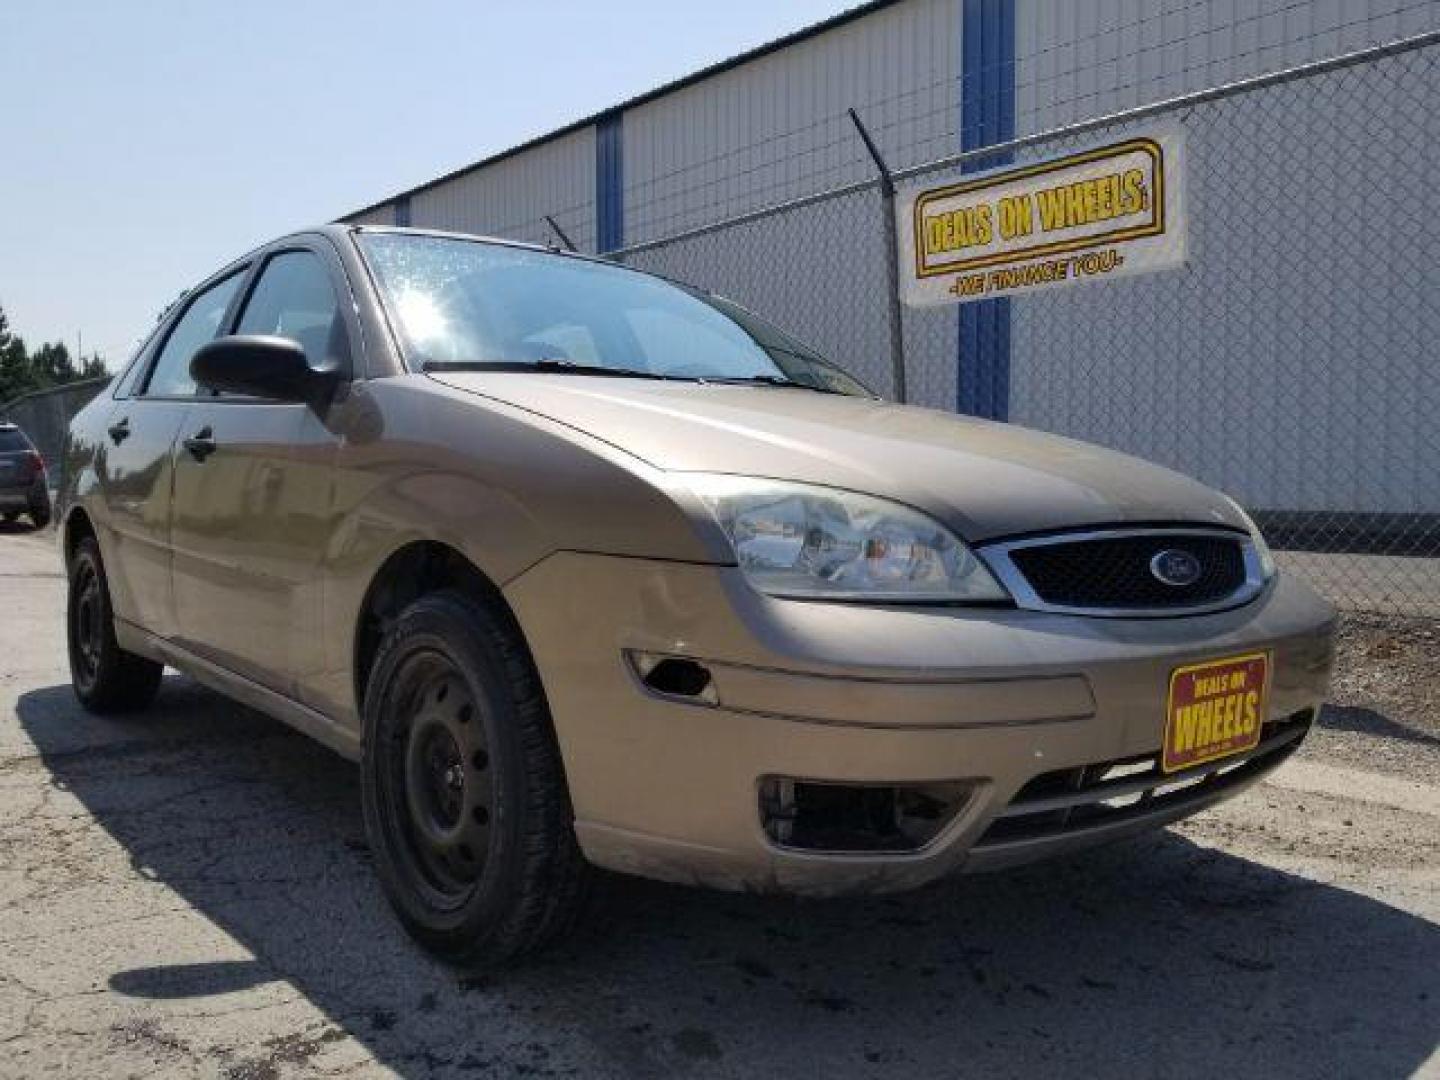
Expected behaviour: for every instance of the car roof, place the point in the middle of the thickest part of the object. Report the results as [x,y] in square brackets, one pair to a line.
[502,241]
[339,231]
[342,234]
[444,234]
[481,238]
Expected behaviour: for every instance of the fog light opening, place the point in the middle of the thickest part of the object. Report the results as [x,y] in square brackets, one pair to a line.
[676,677]
[857,818]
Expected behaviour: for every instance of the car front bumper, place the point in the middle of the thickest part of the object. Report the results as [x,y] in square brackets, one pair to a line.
[1011,705]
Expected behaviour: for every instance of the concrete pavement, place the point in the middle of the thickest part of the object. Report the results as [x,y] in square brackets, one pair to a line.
[188,893]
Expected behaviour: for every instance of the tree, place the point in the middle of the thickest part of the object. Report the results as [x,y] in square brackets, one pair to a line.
[22,371]
[14,363]
[52,365]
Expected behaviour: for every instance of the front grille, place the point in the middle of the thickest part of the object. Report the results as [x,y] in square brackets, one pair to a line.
[1073,800]
[1115,571]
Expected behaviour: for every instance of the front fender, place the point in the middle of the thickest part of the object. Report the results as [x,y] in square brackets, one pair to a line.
[502,487]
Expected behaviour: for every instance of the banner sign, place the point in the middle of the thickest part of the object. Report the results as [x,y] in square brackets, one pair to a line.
[1093,215]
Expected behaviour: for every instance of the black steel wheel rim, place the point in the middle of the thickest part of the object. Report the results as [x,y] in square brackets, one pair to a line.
[436,779]
[87,624]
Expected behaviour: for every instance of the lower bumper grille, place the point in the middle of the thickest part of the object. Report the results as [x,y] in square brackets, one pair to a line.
[822,816]
[1069,801]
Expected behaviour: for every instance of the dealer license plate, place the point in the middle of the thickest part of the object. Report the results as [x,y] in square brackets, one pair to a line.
[1215,709]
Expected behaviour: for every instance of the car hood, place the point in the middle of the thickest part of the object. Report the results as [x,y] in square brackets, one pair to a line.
[984,479]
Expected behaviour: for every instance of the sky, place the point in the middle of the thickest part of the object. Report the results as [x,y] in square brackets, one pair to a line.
[144,144]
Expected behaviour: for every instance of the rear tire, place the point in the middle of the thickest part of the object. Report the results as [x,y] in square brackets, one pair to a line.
[105,677]
[464,793]
[40,516]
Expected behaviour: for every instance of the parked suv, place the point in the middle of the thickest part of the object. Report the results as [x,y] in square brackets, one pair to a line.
[587,568]
[24,487]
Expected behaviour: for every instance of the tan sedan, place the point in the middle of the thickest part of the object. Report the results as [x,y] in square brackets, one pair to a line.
[588,568]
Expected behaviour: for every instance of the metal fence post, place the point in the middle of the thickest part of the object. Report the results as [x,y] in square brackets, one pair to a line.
[892,260]
[559,232]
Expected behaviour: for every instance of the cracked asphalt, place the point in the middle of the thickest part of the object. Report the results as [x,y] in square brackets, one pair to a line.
[188,893]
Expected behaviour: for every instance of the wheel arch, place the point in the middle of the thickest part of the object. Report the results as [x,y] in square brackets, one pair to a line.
[414,569]
[76,527]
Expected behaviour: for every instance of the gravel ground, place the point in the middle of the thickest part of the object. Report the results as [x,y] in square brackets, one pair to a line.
[1384,710]
[188,893]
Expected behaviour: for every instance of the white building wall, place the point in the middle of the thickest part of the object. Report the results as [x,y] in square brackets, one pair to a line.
[775,127]
[1076,59]
[384,214]
[1291,362]
[1320,367]
[511,197]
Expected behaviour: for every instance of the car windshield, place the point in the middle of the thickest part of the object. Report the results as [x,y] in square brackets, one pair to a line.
[12,442]
[461,303]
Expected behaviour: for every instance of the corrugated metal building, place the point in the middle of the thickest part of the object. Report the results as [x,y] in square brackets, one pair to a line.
[932,77]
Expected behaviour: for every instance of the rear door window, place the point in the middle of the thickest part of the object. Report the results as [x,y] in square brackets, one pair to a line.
[197,327]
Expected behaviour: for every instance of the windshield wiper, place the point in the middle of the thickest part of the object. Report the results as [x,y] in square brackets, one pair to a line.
[547,364]
[558,366]
[767,380]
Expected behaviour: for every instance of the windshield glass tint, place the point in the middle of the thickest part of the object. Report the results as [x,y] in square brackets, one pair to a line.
[469,302]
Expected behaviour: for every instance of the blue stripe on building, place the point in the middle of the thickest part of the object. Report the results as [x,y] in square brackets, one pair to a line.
[610,183]
[987,116]
[402,211]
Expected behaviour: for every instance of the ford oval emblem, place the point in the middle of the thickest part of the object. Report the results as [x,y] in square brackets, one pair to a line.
[1175,567]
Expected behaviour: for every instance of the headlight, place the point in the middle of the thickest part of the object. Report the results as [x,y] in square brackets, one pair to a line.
[798,540]
[1262,549]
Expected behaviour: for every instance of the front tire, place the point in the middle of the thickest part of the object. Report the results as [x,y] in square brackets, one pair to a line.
[464,794]
[105,677]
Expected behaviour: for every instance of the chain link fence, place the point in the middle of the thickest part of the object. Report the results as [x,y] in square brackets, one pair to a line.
[1292,362]
[45,415]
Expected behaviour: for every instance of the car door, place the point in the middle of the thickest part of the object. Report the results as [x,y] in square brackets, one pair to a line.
[253,488]
[135,467]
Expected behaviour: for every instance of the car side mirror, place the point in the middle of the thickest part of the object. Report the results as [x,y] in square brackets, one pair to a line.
[261,365]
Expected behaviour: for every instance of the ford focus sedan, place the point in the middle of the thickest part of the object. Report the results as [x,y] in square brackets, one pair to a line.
[590,569]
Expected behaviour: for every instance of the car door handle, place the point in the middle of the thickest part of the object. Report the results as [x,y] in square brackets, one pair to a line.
[202,444]
[120,431]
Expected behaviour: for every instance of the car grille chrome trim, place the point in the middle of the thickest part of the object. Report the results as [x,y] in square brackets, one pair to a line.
[1152,781]
[999,557]
[1090,797]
